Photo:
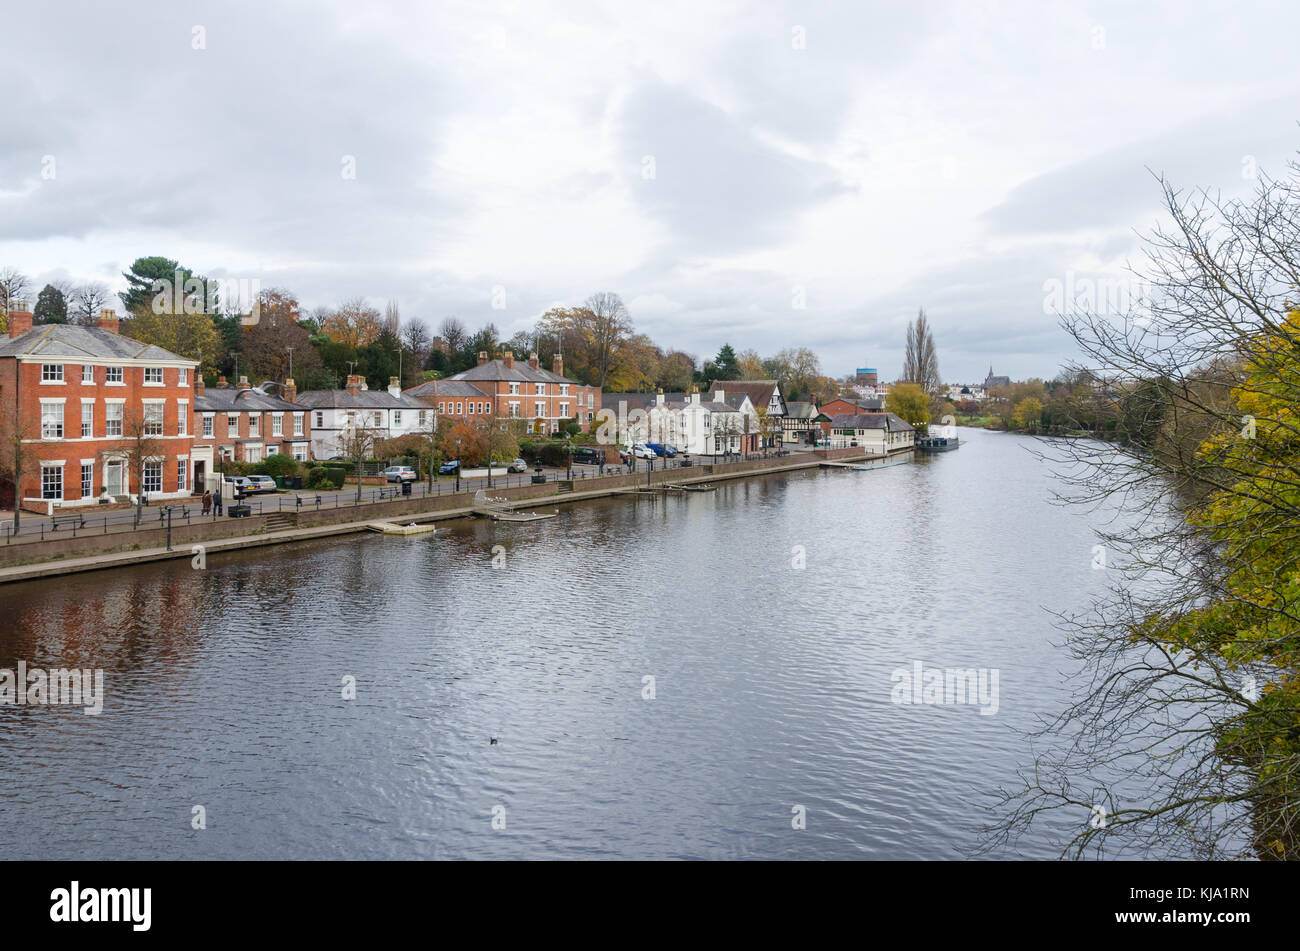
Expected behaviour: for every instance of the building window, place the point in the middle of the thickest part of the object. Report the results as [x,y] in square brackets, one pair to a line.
[297,424]
[182,376]
[379,419]
[397,417]
[591,400]
[52,482]
[541,389]
[441,409]
[277,424]
[87,479]
[564,389]
[207,426]
[87,374]
[87,420]
[320,420]
[232,424]
[182,417]
[51,420]
[113,375]
[420,420]
[113,419]
[514,388]
[564,410]
[460,409]
[182,465]
[152,478]
[300,452]
[153,419]
[514,409]
[153,376]
[254,425]
[541,408]
[51,372]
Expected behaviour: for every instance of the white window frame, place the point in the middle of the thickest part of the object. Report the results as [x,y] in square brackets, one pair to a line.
[47,482]
[52,429]
[51,374]
[152,466]
[87,374]
[87,425]
[150,371]
[114,414]
[114,376]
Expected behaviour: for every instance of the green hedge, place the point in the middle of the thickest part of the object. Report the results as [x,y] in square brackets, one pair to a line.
[325,477]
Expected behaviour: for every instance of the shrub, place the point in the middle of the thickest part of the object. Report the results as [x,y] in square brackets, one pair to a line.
[320,477]
[277,464]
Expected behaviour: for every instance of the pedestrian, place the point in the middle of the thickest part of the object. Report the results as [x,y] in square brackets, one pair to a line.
[602,462]
[207,502]
[216,502]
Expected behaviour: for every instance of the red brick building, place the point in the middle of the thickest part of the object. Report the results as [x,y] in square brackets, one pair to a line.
[75,396]
[246,424]
[509,389]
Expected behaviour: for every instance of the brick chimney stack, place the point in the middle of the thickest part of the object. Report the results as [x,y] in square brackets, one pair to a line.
[222,383]
[20,319]
[557,365]
[354,384]
[243,384]
[482,357]
[290,391]
[508,358]
[107,320]
[199,386]
[533,361]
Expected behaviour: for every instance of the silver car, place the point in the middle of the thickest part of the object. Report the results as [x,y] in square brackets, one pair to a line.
[400,474]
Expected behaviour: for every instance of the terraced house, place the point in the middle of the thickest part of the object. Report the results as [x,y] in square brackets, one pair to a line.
[246,424]
[387,413]
[79,399]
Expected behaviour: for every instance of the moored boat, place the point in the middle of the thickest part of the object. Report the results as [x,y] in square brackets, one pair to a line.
[938,443]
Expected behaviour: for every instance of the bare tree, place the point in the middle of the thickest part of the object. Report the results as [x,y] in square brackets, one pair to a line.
[416,337]
[606,325]
[1184,736]
[142,432]
[453,333]
[85,302]
[357,442]
[14,285]
[921,362]
[18,454]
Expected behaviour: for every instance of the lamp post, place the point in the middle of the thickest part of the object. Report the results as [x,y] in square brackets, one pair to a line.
[458,464]
[568,448]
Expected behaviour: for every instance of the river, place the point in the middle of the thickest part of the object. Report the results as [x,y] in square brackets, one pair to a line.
[773,616]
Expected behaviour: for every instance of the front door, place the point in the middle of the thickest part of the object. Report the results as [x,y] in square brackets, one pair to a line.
[200,472]
[113,477]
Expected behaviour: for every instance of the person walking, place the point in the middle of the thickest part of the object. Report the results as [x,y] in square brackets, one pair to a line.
[216,502]
[207,502]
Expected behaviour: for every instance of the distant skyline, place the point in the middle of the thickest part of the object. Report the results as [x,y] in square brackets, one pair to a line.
[764,175]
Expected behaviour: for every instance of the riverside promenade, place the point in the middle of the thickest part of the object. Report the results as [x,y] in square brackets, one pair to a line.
[70,555]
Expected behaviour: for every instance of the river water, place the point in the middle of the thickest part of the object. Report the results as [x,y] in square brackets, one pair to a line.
[772,615]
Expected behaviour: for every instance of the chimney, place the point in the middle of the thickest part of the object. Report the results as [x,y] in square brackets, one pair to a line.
[557,365]
[354,384]
[243,384]
[719,396]
[534,362]
[508,358]
[199,386]
[107,320]
[290,391]
[394,386]
[482,357]
[659,396]
[695,396]
[222,383]
[20,319]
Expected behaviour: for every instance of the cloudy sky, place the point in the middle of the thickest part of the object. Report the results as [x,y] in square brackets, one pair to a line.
[766,174]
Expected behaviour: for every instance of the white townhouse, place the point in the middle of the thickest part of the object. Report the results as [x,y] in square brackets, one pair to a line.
[389,412]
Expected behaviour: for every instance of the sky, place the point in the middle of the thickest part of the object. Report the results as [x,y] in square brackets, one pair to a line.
[761,174]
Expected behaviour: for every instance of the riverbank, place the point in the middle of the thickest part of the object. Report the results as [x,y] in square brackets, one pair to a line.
[74,555]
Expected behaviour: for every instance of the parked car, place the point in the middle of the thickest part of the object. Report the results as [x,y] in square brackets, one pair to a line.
[661,449]
[261,483]
[671,450]
[400,474]
[643,451]
[588,455]
[237,484]
[517,466]
[447,468]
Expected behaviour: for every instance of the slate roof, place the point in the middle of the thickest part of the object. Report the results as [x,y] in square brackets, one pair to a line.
[363,399]
[241,401]
[886,421]
[73,342]
[444,388]
[496,370]
[801,410]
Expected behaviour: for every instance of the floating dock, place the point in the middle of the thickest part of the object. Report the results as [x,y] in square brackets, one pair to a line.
[388,528]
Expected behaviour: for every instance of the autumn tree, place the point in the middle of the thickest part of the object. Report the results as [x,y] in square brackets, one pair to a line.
[355,323]
[187,335]
[277,341]
[911,404]
[466,442]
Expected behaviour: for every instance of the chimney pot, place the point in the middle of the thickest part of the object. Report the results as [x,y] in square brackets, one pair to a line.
[557,365]
[107,320]
[243,384]
[508,358]
[354,384]
[533,361]
[222,383]
[199,386]
[290,394]
[482,357]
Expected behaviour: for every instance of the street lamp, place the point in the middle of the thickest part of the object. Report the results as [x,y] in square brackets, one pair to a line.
[458,464]
[568,447]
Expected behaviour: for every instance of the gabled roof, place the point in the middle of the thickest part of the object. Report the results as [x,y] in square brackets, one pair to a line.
[759,391]
[444,388]
[74,342]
